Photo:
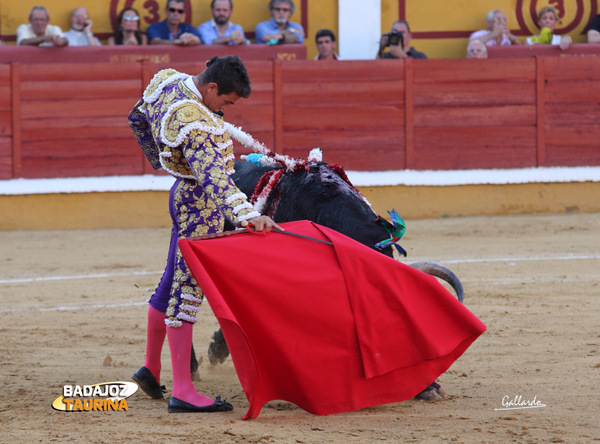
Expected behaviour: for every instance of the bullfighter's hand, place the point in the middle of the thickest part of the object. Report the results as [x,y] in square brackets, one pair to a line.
[264,222]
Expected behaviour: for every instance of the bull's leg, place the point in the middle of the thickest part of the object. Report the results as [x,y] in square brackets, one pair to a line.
[217,350]
[433,392]
[194,365]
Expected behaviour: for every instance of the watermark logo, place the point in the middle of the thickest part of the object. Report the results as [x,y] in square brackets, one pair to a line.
[105,396]
[518,403]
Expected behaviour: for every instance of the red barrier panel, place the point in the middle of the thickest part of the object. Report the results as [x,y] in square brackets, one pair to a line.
[152,53]
[517,51]
[70,119]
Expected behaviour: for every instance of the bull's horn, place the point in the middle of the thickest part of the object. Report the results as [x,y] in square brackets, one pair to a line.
[438,270]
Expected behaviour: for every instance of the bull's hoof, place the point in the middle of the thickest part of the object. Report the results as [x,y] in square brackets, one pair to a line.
[217,353]
[196,372]
[433,392]
[218,350]
[194,365]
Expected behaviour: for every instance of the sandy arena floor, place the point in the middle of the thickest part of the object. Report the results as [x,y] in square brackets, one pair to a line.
[73,312]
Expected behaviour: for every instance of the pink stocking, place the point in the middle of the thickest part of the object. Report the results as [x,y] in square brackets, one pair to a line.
[180,344]
[155,340]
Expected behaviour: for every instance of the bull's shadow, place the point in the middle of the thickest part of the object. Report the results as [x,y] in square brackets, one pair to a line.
[322,194]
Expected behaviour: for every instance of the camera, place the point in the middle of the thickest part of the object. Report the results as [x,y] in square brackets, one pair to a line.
[395,38]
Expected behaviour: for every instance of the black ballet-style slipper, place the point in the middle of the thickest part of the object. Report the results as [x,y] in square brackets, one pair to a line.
[148,383]
[179,406]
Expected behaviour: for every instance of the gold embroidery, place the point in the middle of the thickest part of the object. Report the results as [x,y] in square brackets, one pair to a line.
[162,75]
[188,114]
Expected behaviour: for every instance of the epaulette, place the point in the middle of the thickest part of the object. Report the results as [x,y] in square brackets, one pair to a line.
[159,81]
[185,116]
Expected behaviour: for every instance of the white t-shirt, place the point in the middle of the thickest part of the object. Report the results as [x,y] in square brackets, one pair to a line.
[78,38]
[26,32]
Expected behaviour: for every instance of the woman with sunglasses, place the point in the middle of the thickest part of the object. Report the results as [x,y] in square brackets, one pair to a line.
[128,32]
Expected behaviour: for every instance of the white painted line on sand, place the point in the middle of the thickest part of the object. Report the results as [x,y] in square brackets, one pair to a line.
[141,273]
[442,261]
[567,257]
[79,276]
[72,307]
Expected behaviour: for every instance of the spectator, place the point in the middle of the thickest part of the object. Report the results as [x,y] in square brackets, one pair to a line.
[497,33]
[279,29]
[476,50]
[81,33]
[325,39]
[593,34]
[547,19]
[399,42]
[39,32]
[219,30]
[128,32]
[172,31]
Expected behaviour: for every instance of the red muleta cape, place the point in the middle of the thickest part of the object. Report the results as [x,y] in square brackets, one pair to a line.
[328,328]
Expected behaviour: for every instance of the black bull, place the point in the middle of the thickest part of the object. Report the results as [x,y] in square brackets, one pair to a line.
[316,192]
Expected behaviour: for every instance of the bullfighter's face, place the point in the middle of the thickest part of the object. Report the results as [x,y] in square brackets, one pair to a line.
[216,102]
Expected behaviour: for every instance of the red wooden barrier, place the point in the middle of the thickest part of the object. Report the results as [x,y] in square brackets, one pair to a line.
[70,119]
[154,53]
[6,119]
[517,51]
[474,115]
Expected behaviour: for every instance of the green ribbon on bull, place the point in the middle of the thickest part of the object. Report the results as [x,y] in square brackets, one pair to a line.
[396,229]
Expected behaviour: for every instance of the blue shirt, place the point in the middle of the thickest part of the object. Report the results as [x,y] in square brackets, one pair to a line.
[162,31]
[208,32]
[270,27]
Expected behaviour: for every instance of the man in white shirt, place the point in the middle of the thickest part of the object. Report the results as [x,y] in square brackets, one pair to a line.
[81,33]
[39,32]
[497,32]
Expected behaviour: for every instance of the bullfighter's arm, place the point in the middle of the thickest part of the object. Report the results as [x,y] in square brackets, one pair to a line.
[143,134]
[208,165]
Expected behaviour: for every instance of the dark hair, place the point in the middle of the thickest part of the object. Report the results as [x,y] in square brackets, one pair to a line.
[402,22]
[289,2]
[39,8]
[230,75]
[325,33]
[175,1]
[212,4]
[118,35]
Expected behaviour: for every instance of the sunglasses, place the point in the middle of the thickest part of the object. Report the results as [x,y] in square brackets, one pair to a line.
[131,17]
[282,9]
[180,11]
